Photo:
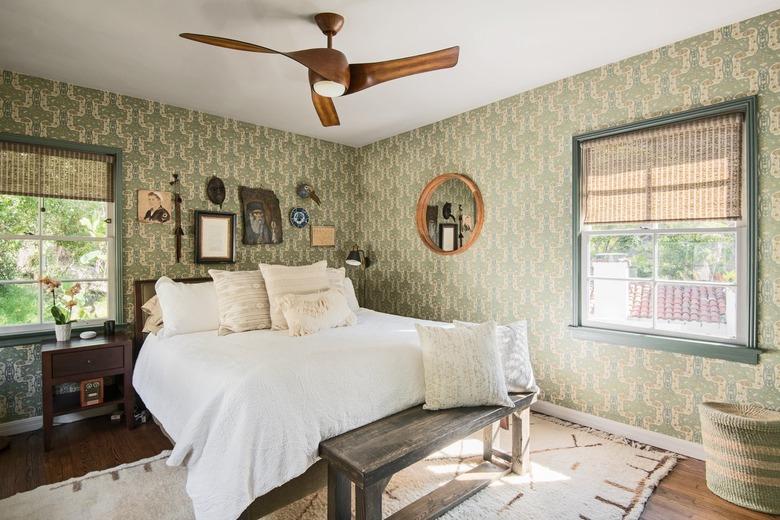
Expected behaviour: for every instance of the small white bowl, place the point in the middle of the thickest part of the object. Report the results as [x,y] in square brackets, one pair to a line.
[88,334]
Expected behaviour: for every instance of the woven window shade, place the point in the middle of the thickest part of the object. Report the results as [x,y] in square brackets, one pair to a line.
[683,171]
[42,171]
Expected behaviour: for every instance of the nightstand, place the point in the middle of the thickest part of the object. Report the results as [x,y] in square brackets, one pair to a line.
[80,359]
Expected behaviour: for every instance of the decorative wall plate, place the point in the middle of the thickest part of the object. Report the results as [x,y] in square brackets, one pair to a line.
[299,217]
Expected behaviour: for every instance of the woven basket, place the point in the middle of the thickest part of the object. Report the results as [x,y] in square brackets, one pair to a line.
[742,443]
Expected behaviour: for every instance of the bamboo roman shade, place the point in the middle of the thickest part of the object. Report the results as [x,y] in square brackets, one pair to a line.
[43,171]
[683,171]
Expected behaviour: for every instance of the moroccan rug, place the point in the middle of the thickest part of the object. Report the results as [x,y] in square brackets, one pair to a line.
[576,473]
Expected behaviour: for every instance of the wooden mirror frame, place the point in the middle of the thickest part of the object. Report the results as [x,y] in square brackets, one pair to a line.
[422,205]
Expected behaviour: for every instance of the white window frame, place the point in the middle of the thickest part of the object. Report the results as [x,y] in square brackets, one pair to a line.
[652,229]
[109,239]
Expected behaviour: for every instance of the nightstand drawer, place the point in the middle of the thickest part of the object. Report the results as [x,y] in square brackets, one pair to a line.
[69,363]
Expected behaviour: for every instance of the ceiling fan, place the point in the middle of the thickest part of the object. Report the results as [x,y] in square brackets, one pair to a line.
[331,75]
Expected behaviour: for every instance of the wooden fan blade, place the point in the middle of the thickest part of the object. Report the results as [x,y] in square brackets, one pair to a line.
[364,75]
[325,109]
[328,63]
[227,43]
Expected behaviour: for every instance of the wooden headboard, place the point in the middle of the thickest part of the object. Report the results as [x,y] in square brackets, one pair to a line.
[144,289]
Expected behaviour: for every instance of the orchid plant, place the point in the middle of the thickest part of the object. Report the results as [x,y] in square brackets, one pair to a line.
[62,314]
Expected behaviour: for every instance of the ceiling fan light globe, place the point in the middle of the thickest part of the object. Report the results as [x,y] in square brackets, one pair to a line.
[329,89]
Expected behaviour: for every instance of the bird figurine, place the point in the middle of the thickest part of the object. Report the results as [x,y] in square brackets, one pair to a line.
[305,191]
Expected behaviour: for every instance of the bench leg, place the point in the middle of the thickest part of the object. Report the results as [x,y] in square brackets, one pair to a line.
[521,434]
[487,442]
[368,500]
[339,495]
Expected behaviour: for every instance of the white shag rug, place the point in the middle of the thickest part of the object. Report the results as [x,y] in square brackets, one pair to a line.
[576,473]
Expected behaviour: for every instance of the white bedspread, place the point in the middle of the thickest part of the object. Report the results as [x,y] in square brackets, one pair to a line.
[247,411]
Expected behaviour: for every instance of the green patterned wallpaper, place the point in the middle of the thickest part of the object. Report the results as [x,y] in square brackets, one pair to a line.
[159,140]
[518,150]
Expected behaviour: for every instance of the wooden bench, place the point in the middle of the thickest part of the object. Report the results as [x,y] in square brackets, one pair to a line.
[369,456]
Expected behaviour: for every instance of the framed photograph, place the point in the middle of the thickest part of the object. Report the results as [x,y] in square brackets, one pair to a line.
[155,207]
[448,237]
[262,216]
[323,236]
[215,237]
[91,392]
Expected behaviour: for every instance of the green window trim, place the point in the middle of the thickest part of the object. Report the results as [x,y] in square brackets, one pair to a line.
[23,338]
[748,353]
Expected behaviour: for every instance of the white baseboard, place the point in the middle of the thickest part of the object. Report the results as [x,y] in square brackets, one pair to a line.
[36,423]
[659,440]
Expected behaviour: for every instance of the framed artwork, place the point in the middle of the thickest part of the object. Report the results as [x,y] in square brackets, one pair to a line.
[155,207]
[91,392]
[448,236]
[262,216]
[215,237]
[323,236]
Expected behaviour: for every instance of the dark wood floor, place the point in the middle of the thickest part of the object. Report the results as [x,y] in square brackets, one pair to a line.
[96,444]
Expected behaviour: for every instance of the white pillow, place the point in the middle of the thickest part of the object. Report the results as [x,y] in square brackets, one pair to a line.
[281,280]
[242,301]
[512,345]
[462,367]
[309,313]
[187,307]
[338,280]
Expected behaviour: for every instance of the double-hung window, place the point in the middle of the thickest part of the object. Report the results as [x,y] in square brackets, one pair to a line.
[57,219]
[664,225]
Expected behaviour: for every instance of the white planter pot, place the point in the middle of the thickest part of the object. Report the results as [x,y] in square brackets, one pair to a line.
[62,332]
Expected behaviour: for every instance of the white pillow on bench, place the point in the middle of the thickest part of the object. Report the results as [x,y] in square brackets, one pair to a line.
[462,367]
[512,345]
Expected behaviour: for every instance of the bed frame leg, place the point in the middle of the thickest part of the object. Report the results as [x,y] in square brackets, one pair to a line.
[521,434]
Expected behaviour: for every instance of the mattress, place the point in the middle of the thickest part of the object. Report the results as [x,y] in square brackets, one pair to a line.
[247,411]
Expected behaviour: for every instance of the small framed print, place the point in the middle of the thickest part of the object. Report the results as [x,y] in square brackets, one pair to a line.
[155,207]
[91,392]
[323,236]
[448,237]
[215,237]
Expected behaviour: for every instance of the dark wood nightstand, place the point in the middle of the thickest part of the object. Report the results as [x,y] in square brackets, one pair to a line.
[80,359]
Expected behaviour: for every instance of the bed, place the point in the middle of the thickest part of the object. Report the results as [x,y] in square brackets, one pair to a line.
[247,411]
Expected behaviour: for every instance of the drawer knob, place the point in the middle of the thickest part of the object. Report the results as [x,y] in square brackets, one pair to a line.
[89,362]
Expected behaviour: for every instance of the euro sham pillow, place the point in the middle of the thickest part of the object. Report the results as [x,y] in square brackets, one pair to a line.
[309,313]
[151,309]
[462,367]
[187,307]
[281,280]
[338,280]
[242,301]
[512,345]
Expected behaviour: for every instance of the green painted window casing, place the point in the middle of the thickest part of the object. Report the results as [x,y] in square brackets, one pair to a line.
[748,353]
[26,338]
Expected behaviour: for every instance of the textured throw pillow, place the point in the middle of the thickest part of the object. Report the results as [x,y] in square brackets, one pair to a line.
[462,367]
[338,280]
[309,313]
[281,280]
[187,307]
[151,309]
[242,301]
[512,345]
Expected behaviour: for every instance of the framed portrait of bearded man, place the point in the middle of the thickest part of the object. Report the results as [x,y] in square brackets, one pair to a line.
[262,216]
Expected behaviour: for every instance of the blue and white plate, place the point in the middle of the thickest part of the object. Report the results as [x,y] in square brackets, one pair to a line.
[299,217]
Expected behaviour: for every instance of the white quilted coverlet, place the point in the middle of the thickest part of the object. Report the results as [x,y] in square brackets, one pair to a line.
[247,411]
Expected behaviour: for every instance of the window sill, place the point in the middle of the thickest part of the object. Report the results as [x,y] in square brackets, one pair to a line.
[33,337]
[693,347]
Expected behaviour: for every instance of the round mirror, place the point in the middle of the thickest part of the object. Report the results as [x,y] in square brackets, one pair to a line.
[450,214]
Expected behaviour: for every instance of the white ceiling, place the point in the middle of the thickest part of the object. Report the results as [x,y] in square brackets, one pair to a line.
[507,46]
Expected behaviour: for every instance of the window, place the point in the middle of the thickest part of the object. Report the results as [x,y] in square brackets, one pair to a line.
[664,233]
[57,218]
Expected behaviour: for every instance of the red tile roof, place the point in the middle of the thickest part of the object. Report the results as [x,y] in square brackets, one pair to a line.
[704,303]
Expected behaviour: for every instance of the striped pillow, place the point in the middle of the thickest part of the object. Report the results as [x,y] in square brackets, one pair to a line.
[281,280]
[242,301]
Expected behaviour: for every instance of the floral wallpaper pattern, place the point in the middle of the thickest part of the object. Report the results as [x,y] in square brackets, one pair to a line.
[518,151]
